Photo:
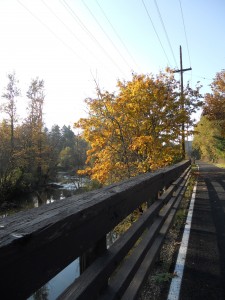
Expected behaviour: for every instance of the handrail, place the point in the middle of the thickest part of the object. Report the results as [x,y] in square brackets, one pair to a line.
[38,243]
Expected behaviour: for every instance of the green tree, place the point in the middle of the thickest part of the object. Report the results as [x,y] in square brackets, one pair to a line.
[67,137]
[66,160]
[205,140]
[210,131]
[54,141]
[77,146]
[81,147]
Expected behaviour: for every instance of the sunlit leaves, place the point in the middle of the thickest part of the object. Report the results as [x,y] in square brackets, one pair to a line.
[210,132]
[135,130]
[207,139]
[214,107]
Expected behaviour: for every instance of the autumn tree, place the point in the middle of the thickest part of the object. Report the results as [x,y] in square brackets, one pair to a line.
[210,131]
[29,152]
[34,130]
[9,107]
[6,167]
[11,158]
[214,107]
[137,129]
[205,139]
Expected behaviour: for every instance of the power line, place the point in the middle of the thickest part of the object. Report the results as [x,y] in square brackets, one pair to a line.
[78,20]
[164,28]
[205,78]
[155,31]
[116,33]
[51,31]
[67,27]
[106,34]
[185,32]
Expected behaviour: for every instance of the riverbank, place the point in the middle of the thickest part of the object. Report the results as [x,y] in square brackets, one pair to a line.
[64,186]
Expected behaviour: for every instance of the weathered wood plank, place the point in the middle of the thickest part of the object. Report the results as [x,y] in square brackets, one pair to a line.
[136,284]
[127,272]
[89,283]
[35,245]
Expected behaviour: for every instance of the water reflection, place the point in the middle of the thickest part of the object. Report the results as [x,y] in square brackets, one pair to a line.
[51,195]
[35,199]
[58,284]
[66,186]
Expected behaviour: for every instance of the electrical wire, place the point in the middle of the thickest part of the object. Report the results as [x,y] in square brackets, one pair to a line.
[78,20]
[80,41]
[67,27]
[51,31]
[111,41]
[205,78]
[156,32]
[164,28]
[116,33]
[185,32]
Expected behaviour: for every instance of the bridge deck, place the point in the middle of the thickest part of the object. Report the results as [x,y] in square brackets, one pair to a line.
[204,271]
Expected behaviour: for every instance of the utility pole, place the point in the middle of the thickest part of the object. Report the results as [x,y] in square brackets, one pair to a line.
[181,71]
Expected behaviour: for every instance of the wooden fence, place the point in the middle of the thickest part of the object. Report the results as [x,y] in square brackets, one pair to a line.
[37,244]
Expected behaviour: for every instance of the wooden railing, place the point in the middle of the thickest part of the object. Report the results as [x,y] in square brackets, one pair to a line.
[37,244]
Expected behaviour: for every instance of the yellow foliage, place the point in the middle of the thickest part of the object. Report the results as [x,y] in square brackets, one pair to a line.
[134,131]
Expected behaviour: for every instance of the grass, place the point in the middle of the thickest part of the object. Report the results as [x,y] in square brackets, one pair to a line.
[163,277]
[220,165]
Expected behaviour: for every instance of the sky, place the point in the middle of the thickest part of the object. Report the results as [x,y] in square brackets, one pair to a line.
[71,44]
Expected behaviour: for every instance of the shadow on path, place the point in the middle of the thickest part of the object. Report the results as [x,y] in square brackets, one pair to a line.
[204,274]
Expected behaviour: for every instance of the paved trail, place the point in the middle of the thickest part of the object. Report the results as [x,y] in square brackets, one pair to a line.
[204,273]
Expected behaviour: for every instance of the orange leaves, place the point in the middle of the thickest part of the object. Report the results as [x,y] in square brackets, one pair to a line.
[210,131]
[214,108]
[135,130]
[140,143]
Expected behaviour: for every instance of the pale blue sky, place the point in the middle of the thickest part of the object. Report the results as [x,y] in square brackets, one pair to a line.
[61,42]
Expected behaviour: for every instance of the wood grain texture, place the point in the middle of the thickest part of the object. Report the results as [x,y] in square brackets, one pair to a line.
[37,244]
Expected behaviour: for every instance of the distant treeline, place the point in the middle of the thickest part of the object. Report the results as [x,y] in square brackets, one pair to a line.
[31,154]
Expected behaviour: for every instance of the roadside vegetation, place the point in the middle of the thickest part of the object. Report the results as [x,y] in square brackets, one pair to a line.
[209,138]
[220,165]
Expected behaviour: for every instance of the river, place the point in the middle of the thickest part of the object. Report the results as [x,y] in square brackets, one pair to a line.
[66,187]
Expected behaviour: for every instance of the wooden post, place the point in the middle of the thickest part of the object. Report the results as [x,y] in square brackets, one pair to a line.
[181,71]
[92,254]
